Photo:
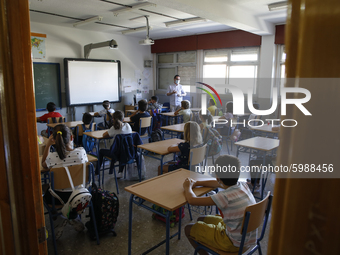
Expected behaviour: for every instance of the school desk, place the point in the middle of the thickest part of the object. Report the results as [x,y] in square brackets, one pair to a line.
[70,124]
[178,128]
[259,146]
[127,119]
[265,130]
[130,112]
[160,148]
[97,135]
[167,192]
[170,115]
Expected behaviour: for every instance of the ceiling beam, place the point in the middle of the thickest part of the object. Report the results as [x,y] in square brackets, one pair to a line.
[222,12]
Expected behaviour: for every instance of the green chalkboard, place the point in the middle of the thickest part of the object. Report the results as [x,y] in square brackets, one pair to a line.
[46,84]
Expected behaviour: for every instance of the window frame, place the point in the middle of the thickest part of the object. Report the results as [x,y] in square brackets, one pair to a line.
[230,63]
[175,64]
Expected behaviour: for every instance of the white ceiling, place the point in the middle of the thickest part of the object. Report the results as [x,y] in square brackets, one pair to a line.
[222,15]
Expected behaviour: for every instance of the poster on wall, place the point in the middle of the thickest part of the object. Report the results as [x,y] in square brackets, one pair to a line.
[38,45]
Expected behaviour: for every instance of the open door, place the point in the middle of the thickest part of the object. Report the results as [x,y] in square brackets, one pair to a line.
[22,224]
[305,219]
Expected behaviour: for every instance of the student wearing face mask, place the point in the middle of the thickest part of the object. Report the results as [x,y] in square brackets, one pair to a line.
[176,94]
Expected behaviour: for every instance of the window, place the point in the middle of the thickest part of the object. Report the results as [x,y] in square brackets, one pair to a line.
[235,66]
[280,70]
[170,64]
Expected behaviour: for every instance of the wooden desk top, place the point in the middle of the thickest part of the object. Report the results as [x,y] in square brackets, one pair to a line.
[165,107]
[43,170]
[175,128]
[70,124]
[99,134]
[160,147]
[169,187]
[96,134]
[169,114]
[132,111]
[265,128]
[260,143]
[127,119]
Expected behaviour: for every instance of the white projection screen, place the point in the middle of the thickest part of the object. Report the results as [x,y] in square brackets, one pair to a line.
[91,81]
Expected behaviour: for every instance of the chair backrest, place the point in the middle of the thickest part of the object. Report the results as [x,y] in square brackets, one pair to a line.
[61,180]
[145,122]
[257,213]
[197,155]
[92,126]
[56,120]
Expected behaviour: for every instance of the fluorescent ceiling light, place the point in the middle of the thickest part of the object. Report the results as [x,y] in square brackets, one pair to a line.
[184,21]
[84,22]
[133,7]
[133,30]
[278,6]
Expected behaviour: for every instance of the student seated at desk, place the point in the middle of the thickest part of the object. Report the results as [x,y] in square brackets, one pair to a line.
[228,116]
[206,119]
[141,113]
[154,105]
[192,138]
[62,139]
[51,107]
[107,110]
[87,123]
[212,107]
[184,111]
[119,127]
[221,231]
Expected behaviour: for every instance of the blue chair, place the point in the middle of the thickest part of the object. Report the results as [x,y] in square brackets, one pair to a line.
[254,215]
[117,153]
[166,104]
[79,132]
[59,180]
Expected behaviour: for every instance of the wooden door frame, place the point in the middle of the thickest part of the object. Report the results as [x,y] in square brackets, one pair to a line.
[21,207]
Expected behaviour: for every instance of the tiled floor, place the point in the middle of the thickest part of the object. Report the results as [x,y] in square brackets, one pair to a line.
[146,231]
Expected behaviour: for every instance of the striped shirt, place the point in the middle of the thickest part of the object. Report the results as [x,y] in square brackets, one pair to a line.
[232,203]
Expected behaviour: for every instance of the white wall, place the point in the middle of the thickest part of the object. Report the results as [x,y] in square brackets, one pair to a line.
[63,42]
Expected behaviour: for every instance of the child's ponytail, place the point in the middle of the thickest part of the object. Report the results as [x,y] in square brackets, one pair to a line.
[118,118]
[62,137]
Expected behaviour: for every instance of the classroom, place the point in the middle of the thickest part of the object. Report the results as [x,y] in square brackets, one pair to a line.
[258,50]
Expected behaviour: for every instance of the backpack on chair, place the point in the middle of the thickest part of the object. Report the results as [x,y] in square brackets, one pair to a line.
[78,200]
[88,142]
[108,120]
[214,140]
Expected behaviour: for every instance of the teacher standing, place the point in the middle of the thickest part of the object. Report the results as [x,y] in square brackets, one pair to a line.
[176,94]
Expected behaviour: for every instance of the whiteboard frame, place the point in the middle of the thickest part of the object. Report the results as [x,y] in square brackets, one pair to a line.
[67,85]
[59,84]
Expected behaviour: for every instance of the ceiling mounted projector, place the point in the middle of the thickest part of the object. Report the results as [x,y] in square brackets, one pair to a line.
[147,40]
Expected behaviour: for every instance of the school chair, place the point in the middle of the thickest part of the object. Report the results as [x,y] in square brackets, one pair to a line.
[198,156]
[254,215]
[228,136]
[166,104]
[145,123]
[54,120]
[123,151]
[59,180]
[217,111]
[80,130]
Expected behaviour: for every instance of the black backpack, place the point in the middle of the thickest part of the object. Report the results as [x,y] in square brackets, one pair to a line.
[106,209]
[156,136]
[108,120]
